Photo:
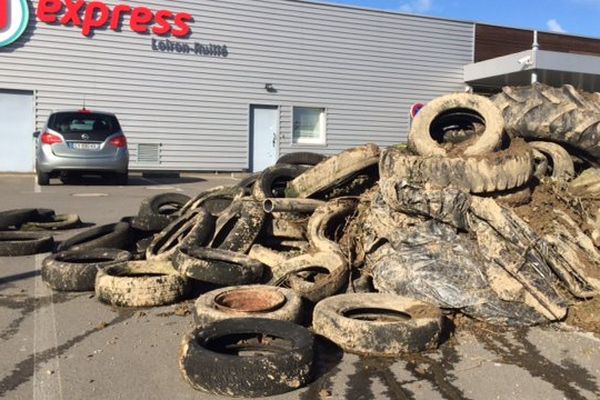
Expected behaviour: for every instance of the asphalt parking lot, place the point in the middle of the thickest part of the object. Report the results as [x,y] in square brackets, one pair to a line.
[70,346]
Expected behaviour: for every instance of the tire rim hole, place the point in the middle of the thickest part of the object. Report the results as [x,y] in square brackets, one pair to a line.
[83,260]
[312,274]
[376,315]
[249,345]
[251,300]
[224,232]
[168,209]
[456,125]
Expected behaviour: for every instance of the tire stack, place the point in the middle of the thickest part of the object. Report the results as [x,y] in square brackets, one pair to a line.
[366,247]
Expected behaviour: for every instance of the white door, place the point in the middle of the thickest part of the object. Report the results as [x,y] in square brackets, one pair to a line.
[264,131]
[16,130]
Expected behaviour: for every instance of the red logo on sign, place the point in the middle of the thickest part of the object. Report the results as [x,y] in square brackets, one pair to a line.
[3,13]
[95,14]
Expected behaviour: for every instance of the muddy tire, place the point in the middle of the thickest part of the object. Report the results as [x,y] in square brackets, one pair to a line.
[559,159]
[194,228]
[587,184]
[375,324]
[499,171]
[314,276]
[14,244]
[421,141]
[252,301]
[57,222]
[562,115]
[278,365]
[16,218]
[215,200]
[239,226]
[217,266]
[330,172]
[140,284]
[75,271]
[112,236]
[273,180]
[328,221]
[158,211]
[512,198]
[301,158]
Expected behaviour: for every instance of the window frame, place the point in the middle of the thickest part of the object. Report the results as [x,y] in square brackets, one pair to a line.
[322,140]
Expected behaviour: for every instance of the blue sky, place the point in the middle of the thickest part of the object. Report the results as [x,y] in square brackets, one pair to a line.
[577,17]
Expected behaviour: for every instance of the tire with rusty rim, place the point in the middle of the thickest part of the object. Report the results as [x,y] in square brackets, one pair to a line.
[236,358]
[56,222]
[157,212]
[499,171]
[377,324]
[114,236]
[14,243]
[140,284]
[217,266]
[250,301]
[75,271]
[426,133]
[193,228]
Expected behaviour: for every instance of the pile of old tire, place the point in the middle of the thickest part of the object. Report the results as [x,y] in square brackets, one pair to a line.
[24,231]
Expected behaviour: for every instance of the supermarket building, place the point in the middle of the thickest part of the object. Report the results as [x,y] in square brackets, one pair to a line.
[230,85]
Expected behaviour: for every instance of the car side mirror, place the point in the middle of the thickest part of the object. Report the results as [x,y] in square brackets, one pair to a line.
[36,134]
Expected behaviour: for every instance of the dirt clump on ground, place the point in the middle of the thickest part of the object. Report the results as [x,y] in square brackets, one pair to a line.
[585,315]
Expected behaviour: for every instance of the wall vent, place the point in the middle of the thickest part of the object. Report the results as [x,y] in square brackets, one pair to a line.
[148,153]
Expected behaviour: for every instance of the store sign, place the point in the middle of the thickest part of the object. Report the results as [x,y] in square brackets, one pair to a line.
[96,15]
[196,48]
[14,17]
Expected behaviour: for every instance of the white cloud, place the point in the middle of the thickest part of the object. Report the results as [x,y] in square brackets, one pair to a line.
[554,26]
[417,6]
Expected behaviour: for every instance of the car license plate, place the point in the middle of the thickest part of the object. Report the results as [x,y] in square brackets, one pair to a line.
[86,146]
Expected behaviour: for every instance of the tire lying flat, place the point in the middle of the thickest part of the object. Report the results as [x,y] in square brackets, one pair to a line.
[250,301]
[152,217]
[75,271]
[114,236]
[378,324]
[280,358]
[14,243]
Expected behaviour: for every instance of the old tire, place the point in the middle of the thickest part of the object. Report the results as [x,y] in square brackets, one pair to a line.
[330,172]
[113,236]
[24,243]
[193,228]
[499,171]
[210,359]
[250,301]
[239,226]
[158,211]
[328,221]
[140,284]
[75,271]
[301,158]
[563,115]
[376,324]
[559,159]
[16,218]
[215,200]
[217,266]
[273,180]
[421,141]
[57,222]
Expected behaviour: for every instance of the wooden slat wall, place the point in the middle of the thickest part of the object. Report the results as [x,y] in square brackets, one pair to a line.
[495,41]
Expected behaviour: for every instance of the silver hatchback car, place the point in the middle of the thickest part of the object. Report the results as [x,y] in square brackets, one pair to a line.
[82,142]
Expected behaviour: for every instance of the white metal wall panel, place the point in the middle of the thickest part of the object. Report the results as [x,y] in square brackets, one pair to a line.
[364,67]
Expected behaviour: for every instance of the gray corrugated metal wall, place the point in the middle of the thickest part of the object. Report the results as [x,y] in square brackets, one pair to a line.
[364,67]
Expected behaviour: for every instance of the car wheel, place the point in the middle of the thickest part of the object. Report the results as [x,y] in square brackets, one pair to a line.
[43,178]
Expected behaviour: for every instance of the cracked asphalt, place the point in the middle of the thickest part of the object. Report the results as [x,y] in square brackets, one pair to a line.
[70,346]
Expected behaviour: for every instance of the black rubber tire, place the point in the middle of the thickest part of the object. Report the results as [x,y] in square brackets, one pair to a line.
[18,217]
[215,200]
[301,158]
[42,178]
[194,228]
[24,243]
[273,180]
[140,284]
[421,142]
[57,222]
[75,271]
[239,226]
[247,184]
[150,218]
[276,302]
[220,267]
[112,236]
[279,370]
[404,325]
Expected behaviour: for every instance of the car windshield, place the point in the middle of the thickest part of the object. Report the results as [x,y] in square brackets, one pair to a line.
[81,122]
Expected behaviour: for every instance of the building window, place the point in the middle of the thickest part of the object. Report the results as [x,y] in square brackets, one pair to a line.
[309,125]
